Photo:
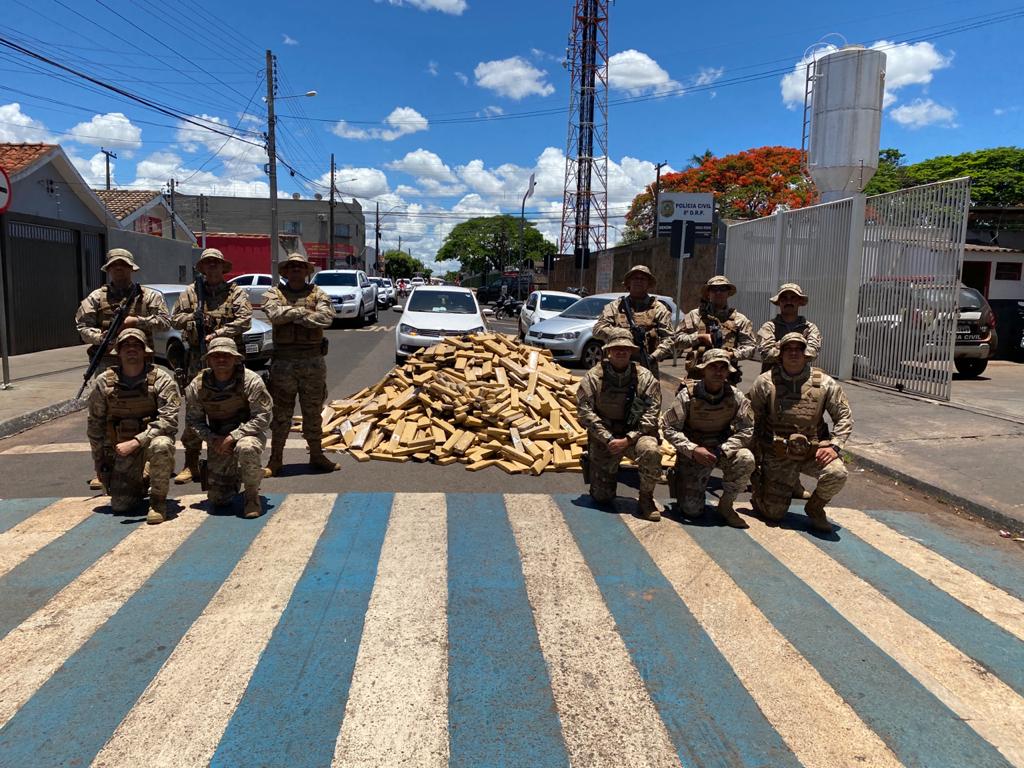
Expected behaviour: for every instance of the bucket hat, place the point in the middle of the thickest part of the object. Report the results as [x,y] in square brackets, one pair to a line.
[132,333]
[716,281]
[790,288]
[620,338]
[294,258]
[225,345]
[120,254]
[639,269]
[714,356]
[214,254]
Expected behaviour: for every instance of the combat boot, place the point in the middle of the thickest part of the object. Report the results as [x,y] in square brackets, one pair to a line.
[647,508]
[190,473]
[815,509]
[273,468]
[157,510]
[725,509]
[252,508]
[318,461]
[801,493]
[95,484]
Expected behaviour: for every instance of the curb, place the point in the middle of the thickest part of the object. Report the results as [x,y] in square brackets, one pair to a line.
[35,418]
[990,514]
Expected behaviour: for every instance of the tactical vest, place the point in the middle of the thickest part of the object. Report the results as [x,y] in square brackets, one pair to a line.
[792,413]
[645,321]
[729,334]
[614,400]
[292,337]
[225,408]
[129,410]
[781,330]
[215,317]
[107,308]
[710,424]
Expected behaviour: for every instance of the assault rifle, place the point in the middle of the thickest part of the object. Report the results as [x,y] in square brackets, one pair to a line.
[110,336]
[200,316]
[638,333]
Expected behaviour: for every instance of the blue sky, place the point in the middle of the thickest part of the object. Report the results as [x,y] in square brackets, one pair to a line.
[405,90]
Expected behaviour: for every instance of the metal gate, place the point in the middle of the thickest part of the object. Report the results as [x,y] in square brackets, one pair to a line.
[882,274]
[44,287]
[908,300]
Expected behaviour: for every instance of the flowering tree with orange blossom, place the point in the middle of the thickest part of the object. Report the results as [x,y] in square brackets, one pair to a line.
[746,185]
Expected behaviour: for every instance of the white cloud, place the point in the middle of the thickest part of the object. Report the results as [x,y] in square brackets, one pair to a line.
[288,39]
[402,121]
[1002,111]
[905,64]
[462,78]
[490,111]
[154,171]
[637,73]
[17,127]
[515,78]
[94,169]
[112,130]
[354,182]
[432,68]
[453,7]
[709,75]
[433,177]
[922,112]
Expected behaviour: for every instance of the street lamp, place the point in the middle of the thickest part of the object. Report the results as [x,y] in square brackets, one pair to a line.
[376,231]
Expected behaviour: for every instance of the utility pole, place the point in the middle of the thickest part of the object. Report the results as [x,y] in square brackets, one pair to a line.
[522,222]
[376,235]
[272,161]
[108,155]
[399,243]
[330,236]
[174,231]
[657,195]
[202,217]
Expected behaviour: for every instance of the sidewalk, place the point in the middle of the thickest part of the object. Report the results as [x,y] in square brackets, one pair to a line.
[44,385]
[966,452]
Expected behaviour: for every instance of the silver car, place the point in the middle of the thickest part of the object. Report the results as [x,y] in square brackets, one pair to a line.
[570,335]
[254,285]
[171,347]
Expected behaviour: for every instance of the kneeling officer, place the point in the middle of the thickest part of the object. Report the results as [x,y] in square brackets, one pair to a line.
[133,419]
[710,424]
[619,402]
[229,408]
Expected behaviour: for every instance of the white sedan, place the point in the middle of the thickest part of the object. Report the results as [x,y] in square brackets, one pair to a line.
[540,305]
[432,312]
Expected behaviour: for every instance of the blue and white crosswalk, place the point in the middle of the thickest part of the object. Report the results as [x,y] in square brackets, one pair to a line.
[380,629]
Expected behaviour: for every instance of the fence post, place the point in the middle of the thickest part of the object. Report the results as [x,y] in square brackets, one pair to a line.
[854,268]
[780,245]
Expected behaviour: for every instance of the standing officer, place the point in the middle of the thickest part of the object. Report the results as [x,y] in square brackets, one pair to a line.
[619,402]
[147,311]
[226,313]
[710,424]
[299,312]
[713,324]
[645,317]
[789,403]
[789,299]
[228,406]
[133,419]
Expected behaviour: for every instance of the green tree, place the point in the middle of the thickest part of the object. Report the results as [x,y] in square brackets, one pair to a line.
[492,242]
[997,174]
[401,264]
[891,174]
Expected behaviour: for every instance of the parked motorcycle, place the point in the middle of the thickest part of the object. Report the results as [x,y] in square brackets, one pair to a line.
[507,307]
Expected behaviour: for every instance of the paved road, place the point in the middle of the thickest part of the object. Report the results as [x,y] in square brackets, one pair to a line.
[425,616]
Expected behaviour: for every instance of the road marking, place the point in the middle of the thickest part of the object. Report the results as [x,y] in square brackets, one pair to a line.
[798,703]
[688,679]
[14,511]
[397,710]
[292,709]
[494,656]
[918,727]
[71,716]
[209,669]
[37,648]
[19,543]
[991,602]
[607,716]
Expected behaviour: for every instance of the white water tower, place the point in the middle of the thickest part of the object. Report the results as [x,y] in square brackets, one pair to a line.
[846,120]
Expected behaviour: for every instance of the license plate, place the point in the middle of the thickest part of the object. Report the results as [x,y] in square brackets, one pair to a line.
[252,349]
[962,329]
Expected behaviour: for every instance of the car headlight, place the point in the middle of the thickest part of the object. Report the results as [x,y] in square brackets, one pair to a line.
[268,336]
[407,329]
[478,329]
[570,336]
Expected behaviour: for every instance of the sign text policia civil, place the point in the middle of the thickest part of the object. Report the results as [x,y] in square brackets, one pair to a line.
[698,207]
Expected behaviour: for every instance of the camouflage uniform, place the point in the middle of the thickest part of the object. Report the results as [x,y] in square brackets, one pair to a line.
[97,310]
[790,427]
[650,316]
[737,332]
[240,408]
[227,314]
[145,409]
[723,424]
[769,334]
[297,366]
[613,404]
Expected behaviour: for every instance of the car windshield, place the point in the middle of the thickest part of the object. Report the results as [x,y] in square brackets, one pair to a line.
[556,303]
[170,299]
[586,309]
[335,278]
[449,302]
[970,300]
[376,281]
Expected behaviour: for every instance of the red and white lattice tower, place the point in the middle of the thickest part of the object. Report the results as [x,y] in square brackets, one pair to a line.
[585,199]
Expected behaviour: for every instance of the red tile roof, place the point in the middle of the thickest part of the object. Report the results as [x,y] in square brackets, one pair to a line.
[14,157]
[124,202]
